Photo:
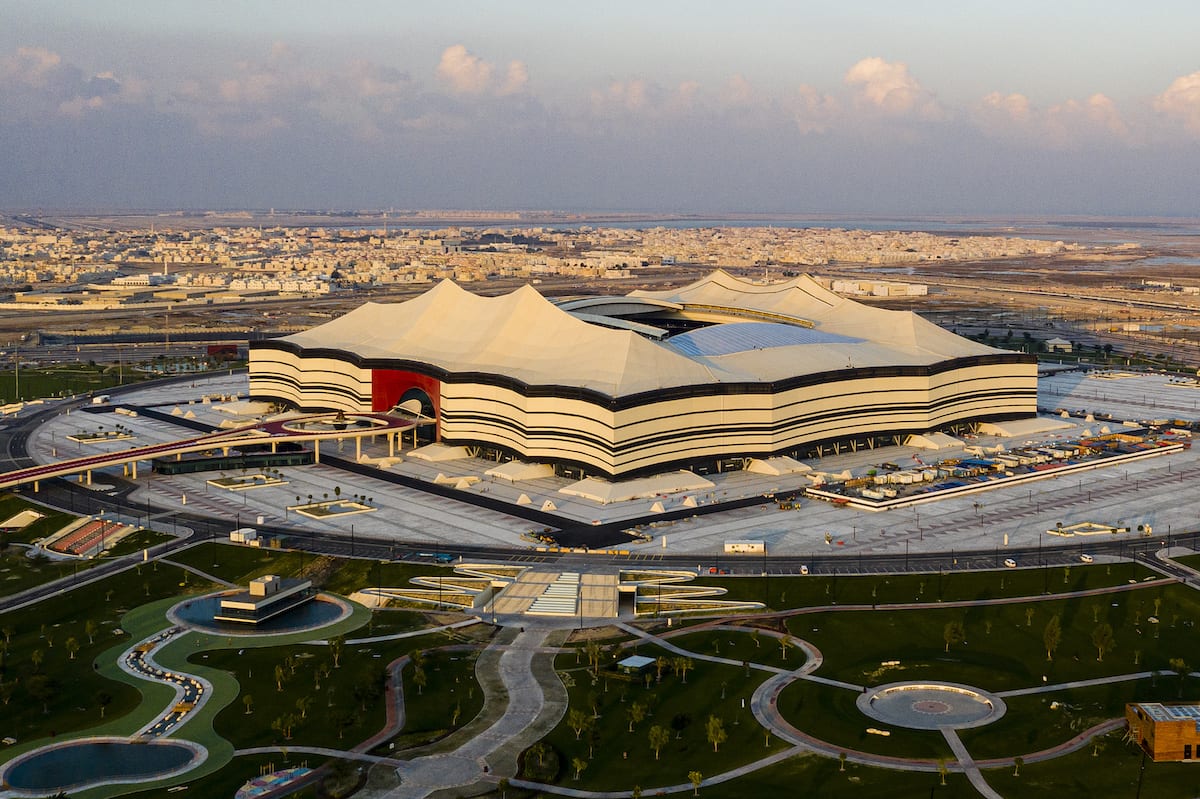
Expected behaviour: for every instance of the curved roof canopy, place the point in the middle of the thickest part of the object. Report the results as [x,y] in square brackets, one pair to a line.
[524,336]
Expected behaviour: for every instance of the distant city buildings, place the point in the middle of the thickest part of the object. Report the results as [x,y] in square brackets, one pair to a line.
[114,268]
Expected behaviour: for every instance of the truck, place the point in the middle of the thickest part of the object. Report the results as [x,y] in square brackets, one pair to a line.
[244,535]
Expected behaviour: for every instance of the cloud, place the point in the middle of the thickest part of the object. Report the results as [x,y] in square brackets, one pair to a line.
[34,80]
[812,111]
[1181,101]
[888,87]
[1068,124]
[464,72]
[516,78]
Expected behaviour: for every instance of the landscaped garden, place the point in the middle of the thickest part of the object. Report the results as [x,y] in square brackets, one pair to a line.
[649,729]
[47,684]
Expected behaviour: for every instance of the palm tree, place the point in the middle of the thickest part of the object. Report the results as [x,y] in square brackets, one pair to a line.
[1102,639]
[696,778]
[715,731]
[72,646]
[1052,636]
[578,721]
[1017,763]
[1181,668]
[658,738]
[636,712]
[953,633]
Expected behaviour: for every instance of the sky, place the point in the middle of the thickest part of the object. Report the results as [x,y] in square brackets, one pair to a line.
[923,107]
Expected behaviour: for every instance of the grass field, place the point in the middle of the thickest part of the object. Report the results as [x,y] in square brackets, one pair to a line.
[50,691]
[619,757]
[781,593]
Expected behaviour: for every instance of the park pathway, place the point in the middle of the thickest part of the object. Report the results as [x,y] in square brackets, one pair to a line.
[528,715]
[967,763]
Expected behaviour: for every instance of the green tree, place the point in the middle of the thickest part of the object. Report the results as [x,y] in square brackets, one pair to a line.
[280,674]
[785,642]
[41,689]
[103,699]
[1180,667]
[578,720]
[714,730]
[89,629]
[579,764]
[303,703]
[943,769]
[420,679]
[248,701]
[1052,636]
[953,633]
[841,761]
[659,736]
[1102,639]
[7,689]
[696,778]
[593,656]
[344,719]
[679,723]
[72,646]
[1017,763]
[338,641]
[636,712]
[37,657]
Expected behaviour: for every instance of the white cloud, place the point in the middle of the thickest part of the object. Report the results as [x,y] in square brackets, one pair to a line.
[889,87]
[812,111]
[1181,101]
[1063,125]
[516,79]
[1014,107]
[36,80]
[463,71]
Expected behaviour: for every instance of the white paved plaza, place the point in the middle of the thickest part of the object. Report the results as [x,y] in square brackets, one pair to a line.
[1158,491]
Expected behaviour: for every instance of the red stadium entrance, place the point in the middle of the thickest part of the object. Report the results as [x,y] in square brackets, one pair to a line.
[391,387]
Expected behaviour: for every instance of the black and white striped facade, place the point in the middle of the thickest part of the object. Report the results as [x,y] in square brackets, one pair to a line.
[761,371]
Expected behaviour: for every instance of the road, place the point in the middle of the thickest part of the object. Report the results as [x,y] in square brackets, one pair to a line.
[67,495]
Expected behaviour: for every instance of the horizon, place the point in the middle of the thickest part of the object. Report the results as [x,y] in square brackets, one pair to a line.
[674,108]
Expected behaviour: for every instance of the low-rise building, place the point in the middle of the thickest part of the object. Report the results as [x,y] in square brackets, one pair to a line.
[1165,732]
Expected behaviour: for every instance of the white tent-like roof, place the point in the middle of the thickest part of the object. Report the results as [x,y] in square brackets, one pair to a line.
[761,333]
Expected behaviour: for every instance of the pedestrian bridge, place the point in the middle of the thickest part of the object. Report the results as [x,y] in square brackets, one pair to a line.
[293,429]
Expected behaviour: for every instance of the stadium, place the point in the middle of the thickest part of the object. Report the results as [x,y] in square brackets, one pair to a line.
[703,377]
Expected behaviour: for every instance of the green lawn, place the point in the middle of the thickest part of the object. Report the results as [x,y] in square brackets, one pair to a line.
[52,521]
[620,759]
[743,646]
[62,380]
[327,706]
[1114,773]
[830,714]
[19,572]
[782,593]
[1011,653]
[239,564]
[62,694]
[1032,724]
[450,699]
